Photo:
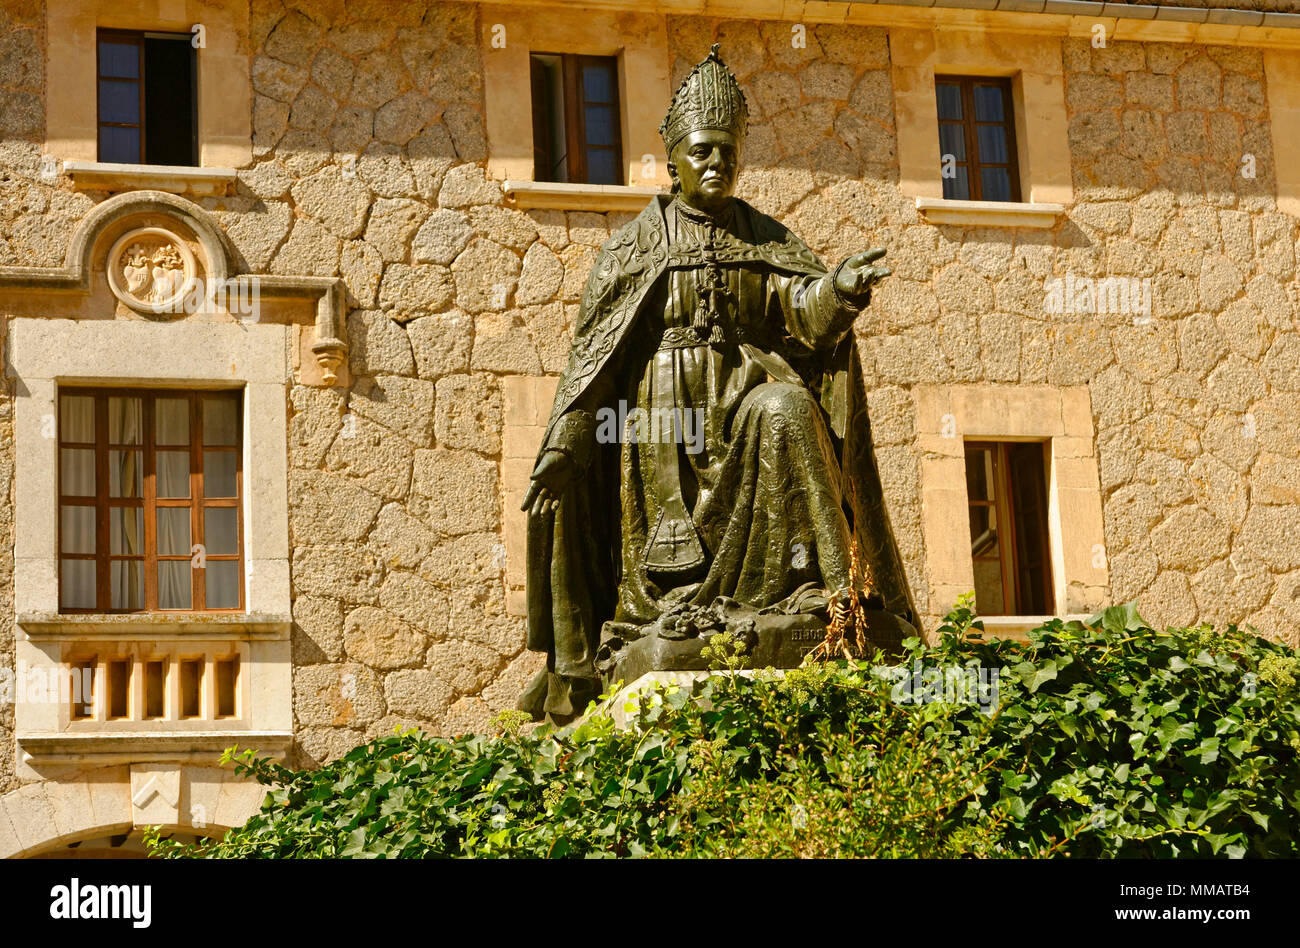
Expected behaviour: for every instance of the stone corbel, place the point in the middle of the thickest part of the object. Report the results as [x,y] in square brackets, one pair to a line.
[331,347]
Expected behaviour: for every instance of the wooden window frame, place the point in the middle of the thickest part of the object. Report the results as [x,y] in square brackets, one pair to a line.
[148,501]
[575,125]
[137,38]
[1005,507]
[970,134]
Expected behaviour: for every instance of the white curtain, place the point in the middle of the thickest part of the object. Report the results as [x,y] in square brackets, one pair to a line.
[172,427]
[221,534]
[125,424]
[173,575]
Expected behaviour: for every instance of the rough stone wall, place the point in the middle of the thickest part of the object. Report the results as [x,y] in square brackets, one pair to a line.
[1199,467]
[1198,456]
[368,162]
[37,214]
[369,157]
[22,200]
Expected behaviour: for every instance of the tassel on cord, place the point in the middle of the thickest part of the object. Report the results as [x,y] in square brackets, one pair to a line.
[700,321]
[707,318]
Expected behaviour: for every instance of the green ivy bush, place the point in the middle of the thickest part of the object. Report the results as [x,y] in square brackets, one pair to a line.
[1104,739]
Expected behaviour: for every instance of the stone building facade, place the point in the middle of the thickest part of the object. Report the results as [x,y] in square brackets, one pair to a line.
[367,168]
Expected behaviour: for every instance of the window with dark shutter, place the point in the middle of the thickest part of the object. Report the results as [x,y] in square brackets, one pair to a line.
[577,131]
[147,94]
[1006,489]
[977,138]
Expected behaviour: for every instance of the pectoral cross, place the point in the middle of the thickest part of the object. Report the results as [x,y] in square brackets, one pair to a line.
[675,536]
[712,290]
[708,314]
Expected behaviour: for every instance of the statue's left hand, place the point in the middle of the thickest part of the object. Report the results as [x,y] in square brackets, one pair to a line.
[856,275]
[553,472]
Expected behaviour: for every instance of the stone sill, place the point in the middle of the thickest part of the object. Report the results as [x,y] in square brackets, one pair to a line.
[175,179]
[577,197]
[47,626]
[107,747]
[1018,627]
[988,213]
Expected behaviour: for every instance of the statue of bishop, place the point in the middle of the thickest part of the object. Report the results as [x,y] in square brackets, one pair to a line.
[708,441]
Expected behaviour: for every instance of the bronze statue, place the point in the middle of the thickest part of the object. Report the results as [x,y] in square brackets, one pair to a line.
[707,464]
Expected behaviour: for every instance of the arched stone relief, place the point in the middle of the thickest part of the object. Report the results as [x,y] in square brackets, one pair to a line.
[165,257]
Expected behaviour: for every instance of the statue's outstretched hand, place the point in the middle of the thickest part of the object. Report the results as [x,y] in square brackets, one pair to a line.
[550,477]
[856,275]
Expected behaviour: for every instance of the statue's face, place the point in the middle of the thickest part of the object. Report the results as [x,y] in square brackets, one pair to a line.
[706,163]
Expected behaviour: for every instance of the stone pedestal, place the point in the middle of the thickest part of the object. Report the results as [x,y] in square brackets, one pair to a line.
[675,641]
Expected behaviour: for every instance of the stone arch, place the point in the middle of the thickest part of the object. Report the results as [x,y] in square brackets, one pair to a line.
[221,264]
[109,801]
[77,264]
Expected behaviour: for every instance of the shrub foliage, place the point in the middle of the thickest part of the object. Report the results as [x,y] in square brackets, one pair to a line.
[1101,739]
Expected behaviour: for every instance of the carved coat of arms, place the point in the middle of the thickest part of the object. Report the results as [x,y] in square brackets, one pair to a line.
[151,270]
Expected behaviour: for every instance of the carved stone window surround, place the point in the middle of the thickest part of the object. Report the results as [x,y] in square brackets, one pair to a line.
[44,352]
[988,213]
[949,415]
[58,333]
[578,197]
[641,44]
[527,408]
[1036,67]
[26,290]
[51,626]
[129,747]
[225,136]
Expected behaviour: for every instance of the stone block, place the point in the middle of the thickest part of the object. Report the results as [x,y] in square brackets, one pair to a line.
[380,640]
[419,693]
[469,413]
[30,815]
[239,800]
[156,794]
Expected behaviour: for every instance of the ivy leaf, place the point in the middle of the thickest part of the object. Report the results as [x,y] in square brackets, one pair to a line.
[1043,673]
[1119,619]
[356,843]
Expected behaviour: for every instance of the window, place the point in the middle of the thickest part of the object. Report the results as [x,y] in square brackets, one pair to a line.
[1006,489]
[149,501]
[576,131]
[147,98]
[977,139]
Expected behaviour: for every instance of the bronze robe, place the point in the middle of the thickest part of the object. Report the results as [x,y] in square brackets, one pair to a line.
[734,468]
